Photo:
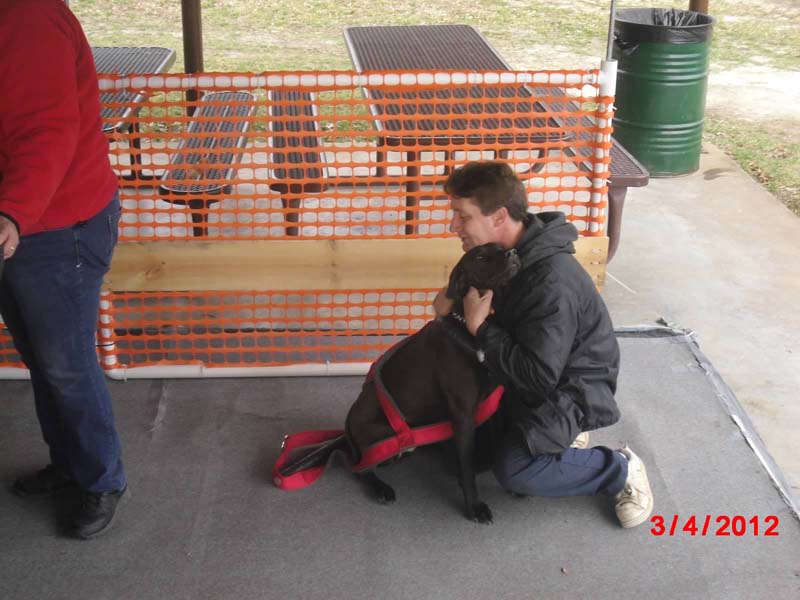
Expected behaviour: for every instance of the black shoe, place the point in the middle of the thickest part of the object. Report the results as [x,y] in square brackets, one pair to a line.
[95,513]
[45,482]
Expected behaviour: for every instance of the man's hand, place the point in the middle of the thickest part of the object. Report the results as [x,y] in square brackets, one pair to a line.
[9,237]
[477,308]
[442,305]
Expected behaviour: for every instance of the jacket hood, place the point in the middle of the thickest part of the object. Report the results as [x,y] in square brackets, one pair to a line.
[546,234]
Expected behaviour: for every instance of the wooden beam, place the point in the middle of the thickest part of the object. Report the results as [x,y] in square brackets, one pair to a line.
[592,253]
[301,264]
[192,36]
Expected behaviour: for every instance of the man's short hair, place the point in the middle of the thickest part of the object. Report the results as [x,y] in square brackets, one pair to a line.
[492,185]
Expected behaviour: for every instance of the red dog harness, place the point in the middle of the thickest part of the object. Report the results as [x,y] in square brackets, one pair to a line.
[404,437]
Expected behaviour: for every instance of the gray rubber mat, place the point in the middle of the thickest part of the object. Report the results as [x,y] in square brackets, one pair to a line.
[205,522]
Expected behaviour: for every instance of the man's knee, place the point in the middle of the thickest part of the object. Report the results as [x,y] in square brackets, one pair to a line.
[522,477]
[503,477]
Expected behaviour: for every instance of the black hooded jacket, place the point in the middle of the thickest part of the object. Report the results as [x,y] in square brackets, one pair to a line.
[551,342]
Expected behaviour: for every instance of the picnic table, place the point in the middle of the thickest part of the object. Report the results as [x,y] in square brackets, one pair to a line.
[122,61]
[462,47]
[118,105]
[484,115]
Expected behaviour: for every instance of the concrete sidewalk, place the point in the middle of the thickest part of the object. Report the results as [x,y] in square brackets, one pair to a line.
[715,253]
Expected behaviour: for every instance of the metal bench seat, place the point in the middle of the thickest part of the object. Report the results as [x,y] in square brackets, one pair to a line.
[204,162]
[296,156]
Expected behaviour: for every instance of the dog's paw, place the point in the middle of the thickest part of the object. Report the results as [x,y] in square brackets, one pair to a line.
[379,489]
[385,495]
[480,513]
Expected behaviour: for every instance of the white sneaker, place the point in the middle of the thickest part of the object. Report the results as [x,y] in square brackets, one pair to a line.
[582,441]
[634,503]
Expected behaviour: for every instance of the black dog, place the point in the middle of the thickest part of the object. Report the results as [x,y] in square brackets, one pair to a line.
[433,377]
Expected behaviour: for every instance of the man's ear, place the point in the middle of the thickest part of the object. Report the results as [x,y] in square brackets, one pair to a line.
[457,287]
[500,216]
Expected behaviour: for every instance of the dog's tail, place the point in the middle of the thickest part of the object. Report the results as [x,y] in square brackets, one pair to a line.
[317,457]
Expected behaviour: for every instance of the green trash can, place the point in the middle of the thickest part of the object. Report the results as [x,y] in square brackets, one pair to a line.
[662,74]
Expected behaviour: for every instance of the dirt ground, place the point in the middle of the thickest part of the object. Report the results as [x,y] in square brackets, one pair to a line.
[754,91]
[751,92]
[757,93]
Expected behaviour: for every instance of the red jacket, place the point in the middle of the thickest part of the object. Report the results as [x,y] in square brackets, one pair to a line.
[54,167]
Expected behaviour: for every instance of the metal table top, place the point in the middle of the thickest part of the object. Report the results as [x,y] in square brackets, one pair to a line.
[446,47]
[124,60]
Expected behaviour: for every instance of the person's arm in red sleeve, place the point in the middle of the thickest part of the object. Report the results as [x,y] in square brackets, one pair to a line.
[39,115]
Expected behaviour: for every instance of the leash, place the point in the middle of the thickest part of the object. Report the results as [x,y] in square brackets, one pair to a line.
[404,438]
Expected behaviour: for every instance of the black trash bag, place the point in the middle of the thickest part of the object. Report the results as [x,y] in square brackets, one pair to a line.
[663,25]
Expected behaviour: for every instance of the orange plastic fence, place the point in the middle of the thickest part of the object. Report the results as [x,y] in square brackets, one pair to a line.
[345,155]
[315,155]
[257,329]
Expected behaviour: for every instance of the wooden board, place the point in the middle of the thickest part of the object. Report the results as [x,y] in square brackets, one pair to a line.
[301,264]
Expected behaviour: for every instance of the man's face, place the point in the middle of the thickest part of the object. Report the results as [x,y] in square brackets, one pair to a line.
[470,225]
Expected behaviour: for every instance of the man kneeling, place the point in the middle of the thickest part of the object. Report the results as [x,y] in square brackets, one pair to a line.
[550,342]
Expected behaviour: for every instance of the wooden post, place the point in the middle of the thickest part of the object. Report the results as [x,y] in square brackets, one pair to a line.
[192,36]
[699,6]
[192,43]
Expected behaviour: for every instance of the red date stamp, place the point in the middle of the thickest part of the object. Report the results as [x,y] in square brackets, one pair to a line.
[717,526]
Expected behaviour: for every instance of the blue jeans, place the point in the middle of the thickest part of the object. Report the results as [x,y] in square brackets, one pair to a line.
[573,472]
[49,300]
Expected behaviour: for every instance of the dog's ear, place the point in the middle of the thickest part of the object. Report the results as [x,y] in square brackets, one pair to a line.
[458,286]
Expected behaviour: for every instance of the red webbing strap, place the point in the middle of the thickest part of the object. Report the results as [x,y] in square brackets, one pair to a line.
[308,476]
[426,434]
[393,414]
[404,437]
[377,453]
[390,410]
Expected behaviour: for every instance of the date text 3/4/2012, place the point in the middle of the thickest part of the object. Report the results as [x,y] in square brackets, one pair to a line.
[719,526]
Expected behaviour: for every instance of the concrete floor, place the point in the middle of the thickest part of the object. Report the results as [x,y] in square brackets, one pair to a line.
[204,522]
[715,253]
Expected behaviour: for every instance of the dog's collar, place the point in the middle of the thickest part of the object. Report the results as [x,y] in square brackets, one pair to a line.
[455,326]
[458,317]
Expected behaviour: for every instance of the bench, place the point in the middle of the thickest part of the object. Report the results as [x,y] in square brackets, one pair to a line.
[205,157]
[296,157]
[625,172]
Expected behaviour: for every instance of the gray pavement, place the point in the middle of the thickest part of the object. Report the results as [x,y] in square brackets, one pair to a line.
[204,521]
[715,253]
